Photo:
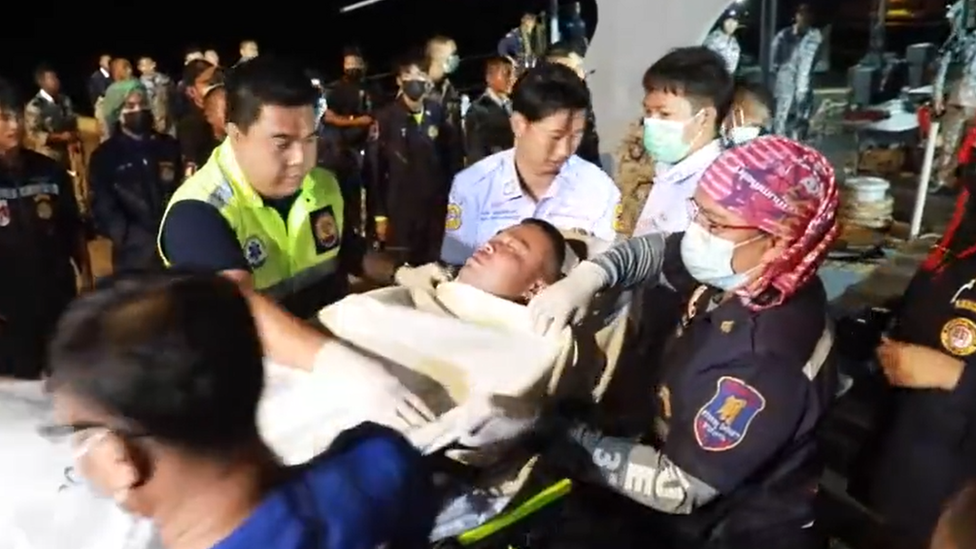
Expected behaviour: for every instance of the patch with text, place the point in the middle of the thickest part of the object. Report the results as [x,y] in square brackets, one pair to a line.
[722,423]
[453,220]
[959,336]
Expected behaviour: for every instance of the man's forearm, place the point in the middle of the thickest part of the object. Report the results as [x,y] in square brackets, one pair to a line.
[287,340]
[642,473]
[634,261]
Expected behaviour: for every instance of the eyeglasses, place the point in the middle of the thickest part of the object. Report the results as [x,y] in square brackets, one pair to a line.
[57,433]
[698,215]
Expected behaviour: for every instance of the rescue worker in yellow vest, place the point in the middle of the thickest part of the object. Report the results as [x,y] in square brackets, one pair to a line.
[261,213]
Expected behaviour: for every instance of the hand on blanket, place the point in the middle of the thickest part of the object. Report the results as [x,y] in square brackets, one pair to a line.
[364,380]
[426,277]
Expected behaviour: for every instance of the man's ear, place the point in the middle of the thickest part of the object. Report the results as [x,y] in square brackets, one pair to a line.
[519,124]
[233,131]
[534,290]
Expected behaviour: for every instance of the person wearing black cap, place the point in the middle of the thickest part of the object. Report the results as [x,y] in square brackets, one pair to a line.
[722,40]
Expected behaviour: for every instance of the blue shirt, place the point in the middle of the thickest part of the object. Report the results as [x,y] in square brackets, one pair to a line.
[370,489]
[487,198]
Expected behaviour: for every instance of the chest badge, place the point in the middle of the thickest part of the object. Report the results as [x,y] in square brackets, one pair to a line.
[453,220]
[723,422]
[43,204]
[167,172]
[255,252]
[959,336]
[726,326]
[4,213]
[433,132]
[325,229]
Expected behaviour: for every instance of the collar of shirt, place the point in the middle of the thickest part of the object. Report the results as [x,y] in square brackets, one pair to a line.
[231,171]
[502,101]
[512,187]
[45,96]
[694,163]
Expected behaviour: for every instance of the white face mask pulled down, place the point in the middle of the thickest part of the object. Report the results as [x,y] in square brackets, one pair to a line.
[708,258]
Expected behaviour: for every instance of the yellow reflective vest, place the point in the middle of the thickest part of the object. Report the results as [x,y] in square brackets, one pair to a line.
[285,256]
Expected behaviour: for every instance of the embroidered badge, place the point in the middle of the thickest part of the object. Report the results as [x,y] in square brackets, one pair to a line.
[433,132]
[255,252]
[959,336]
[4,213]
[43,204]
[722,423]
[618,218]
[325,229]
[453,220]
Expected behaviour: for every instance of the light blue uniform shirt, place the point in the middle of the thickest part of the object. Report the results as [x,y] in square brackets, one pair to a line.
[487,198]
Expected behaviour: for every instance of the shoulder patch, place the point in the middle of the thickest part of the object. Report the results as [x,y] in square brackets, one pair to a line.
[618,218]
[722,423]
[959,336]
[453,220]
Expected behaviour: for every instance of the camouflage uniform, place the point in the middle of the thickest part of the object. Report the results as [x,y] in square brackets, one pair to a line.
[794,55]
[960,111]
[159,86]
[42,117]
[635,174]
[725,45]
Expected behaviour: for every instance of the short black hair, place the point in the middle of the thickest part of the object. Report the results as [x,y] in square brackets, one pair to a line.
[758,91]
[562,50]
[496,62]
[697,73]
[10,100]
[266,80]
[193,70]
[547,89]
[42,70]
[555,237]
[403,63]
[352,51]
[170,355]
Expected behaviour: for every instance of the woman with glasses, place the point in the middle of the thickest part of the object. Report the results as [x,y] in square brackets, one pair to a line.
[730,458]
[156,381]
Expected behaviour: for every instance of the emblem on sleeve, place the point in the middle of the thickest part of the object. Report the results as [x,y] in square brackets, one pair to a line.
[453,220]
[721,424]
[959,336]
[433,132]
[618,218]
[4,213]
[254,252]
[325,229]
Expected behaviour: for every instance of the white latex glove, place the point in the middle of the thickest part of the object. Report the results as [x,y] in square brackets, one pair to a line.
[567,301]
[426,277]
[364,380]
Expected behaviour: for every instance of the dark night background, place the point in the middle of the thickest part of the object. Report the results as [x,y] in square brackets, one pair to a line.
[71,36]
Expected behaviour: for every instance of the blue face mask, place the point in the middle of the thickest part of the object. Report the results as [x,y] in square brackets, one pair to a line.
[664,140]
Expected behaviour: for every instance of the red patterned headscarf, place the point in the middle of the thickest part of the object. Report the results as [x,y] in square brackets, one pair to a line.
[788,190]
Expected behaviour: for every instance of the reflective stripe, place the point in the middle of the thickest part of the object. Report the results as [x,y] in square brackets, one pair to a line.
[28,190]
[303,279]
[550,495]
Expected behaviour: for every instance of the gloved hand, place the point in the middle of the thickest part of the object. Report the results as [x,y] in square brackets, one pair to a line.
[567,301]
[426,277]
[364,380]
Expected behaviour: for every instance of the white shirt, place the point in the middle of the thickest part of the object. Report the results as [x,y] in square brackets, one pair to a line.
[666,209]
[487,198]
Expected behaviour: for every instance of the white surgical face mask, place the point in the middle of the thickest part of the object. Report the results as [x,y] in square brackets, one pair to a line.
[708,258]
[743,134]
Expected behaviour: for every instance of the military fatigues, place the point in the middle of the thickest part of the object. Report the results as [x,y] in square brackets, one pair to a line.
[488,127]
[159,87]
[960,103]
[44,116]
[521,48]
[725,45]
[794,56]
[730,458]
[410,161]
[635,175]
[40,233]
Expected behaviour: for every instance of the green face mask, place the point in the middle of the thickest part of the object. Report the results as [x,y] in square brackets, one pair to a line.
[664,140]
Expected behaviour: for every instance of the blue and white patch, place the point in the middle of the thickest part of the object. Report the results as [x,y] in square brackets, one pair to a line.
[254,252]
[722,423]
